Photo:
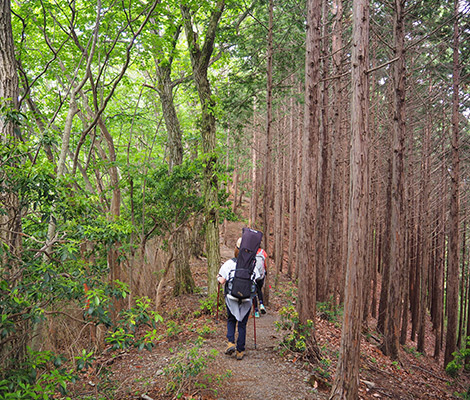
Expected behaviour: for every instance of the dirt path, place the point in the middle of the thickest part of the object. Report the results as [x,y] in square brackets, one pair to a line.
[263,374]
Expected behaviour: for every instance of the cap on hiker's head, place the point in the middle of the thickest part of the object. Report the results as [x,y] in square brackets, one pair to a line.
[239,242]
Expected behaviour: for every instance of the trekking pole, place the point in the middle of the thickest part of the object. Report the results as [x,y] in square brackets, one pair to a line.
[217,305]
[254,323]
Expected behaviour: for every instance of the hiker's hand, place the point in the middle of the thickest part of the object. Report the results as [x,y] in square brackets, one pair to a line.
[221,279]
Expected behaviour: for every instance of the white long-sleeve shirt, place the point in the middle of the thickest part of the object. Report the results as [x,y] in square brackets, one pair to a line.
[238,309]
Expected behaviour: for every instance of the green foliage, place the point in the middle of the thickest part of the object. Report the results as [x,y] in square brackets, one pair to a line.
[413,351]
[454,367]
[216,380]
[85,360]
[141,314]
[205,331]
[126,333]
[396,364]
[41,376]
[297,336]
[330,311]
[171,199]
[173,329]
[186,366]
[288,292]
[207,306]
[322,368]
[10,115]
[465,395]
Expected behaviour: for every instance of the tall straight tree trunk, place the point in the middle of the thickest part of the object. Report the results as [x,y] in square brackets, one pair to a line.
[346,193]
[298,182]
[254,172]
[337,197]
[415,275]
[386,257]
[440,267]
[346,383]
[397,237]
[235,180]
[278,209]
[172,123]
[10,218]
[267,178]
[370,274]
[324,168]
[454,223]
[200,57]
[9,90]
[425,241]
[463,285]
[292,183]
[378,266]
[308,204]
[467,327]
[371,267]
[180,245]
[409,223]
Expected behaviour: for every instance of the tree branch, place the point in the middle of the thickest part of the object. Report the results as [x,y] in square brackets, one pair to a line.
[383,65]
[113,88]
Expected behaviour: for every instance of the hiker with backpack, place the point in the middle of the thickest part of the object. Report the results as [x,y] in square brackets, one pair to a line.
[261,266]
[238,275]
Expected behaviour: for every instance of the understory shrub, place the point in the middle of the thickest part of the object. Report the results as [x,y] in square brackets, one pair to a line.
[460,361]
[186,366]
[208,305]
[40,376]
[330,311]
[297,335]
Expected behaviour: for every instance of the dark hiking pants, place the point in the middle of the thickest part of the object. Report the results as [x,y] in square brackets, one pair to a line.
[231,325]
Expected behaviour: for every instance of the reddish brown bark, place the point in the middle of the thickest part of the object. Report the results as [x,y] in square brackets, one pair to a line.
[346,383]
[454,223]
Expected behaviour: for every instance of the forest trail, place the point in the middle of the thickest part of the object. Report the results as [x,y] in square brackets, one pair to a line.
[263,374]
[266,372]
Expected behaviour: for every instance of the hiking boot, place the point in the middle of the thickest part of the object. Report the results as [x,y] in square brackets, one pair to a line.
[256,314]
[230,349]
[240,355]
[262,309]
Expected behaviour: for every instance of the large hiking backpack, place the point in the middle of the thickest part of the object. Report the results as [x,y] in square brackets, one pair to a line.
[241,284]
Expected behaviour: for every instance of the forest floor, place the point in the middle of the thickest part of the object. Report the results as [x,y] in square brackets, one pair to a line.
[181,367]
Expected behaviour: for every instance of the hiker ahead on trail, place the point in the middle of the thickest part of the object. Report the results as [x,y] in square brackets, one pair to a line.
[261,266]
[239,275]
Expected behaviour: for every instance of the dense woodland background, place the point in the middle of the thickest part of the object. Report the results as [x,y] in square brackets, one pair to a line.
[128,126]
